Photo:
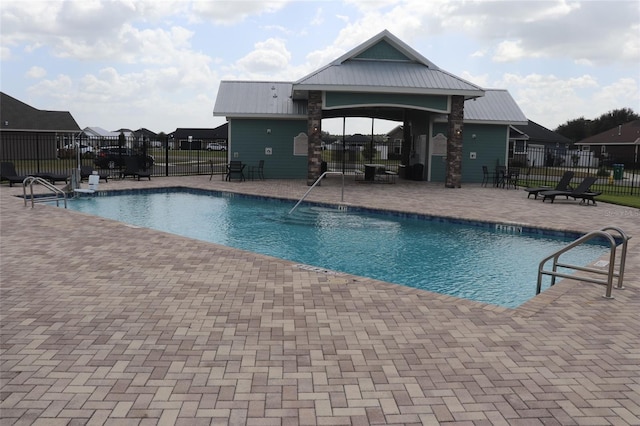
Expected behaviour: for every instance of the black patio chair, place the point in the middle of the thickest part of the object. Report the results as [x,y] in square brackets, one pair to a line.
[132,168]
[8,173]
[562,185]
[582,192]
[235,169]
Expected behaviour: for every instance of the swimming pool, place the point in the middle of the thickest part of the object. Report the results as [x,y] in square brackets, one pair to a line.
[490,263]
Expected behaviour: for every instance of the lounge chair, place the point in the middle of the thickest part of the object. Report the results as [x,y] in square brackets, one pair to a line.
[8,172]
[53,177]
[87,171]
[235,169]
[562,185]
[582,192]
[132,168]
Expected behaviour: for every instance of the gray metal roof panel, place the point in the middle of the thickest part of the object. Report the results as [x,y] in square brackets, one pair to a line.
[257,98]
[390,76]
[496,106]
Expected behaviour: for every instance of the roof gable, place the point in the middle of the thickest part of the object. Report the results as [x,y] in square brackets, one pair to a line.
[385,46]
[628,133]
[538,133]
[18,116]
[385,64]
[383,51]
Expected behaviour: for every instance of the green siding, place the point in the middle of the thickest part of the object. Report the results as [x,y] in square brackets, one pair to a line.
[489,145]
[384,51]
[249,138]
[428,102]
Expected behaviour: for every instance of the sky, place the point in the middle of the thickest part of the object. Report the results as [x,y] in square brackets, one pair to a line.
[157,64]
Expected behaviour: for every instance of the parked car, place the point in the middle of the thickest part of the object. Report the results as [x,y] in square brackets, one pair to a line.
[112,157]
[69,151]
[215,146]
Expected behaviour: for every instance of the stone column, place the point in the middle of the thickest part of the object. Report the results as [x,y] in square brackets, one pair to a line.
[314,121]
[454,143]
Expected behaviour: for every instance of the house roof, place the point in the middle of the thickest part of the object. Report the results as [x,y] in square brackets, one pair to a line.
[624,134]
[99,132]
[18,116]
[146,133]
[220,132]
[382,64]
[258,99]
[534,132]
[495,107]
[385,64]
[243,99]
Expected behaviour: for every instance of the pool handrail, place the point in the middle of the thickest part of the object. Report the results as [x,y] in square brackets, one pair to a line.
[316,183]
[610,273]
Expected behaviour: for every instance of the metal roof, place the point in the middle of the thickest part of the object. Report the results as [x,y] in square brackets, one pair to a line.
[394,68]
[495,107]
[383,64]
[257,99]
[388,77]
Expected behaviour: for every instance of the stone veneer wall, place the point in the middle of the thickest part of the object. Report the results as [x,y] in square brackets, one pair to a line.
[454,143]
[314,113]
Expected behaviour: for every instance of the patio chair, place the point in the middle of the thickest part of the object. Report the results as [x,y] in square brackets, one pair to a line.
[8,172]
[235,169]
[257,171]
[562,185]
[132,168]
[581,191]
[87,171]
[485,175]
[511,177]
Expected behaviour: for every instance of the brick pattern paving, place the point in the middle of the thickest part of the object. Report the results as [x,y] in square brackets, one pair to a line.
[107,324]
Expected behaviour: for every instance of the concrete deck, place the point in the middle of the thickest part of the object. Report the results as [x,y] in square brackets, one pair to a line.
[108,324]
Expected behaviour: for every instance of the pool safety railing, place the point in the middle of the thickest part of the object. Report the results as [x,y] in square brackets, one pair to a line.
[316,183]
[610,272]
[56,193]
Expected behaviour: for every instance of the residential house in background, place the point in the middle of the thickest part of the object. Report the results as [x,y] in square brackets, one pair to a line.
[198,138]
[27,132]
[534,145]
[619,145]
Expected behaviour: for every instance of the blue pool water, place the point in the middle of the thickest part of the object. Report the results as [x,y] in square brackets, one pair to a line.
[473,261]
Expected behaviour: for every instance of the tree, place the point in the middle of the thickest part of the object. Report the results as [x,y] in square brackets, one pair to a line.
[582,128]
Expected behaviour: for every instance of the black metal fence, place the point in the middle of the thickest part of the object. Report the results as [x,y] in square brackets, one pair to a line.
[352,158]
[544,166]
[34,154]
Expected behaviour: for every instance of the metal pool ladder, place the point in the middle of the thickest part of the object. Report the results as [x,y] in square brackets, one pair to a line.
[57,193]
[316,183]
[610,272]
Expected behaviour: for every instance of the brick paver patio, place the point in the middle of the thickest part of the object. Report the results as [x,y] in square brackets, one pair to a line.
[108,324]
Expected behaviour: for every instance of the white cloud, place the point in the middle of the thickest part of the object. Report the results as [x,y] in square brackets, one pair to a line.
[36,72]
[269,57]
[228,12]
[508,51]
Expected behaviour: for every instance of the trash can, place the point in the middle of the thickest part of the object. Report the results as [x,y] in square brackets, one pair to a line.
[323,167]
[417,172]
[618,171]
